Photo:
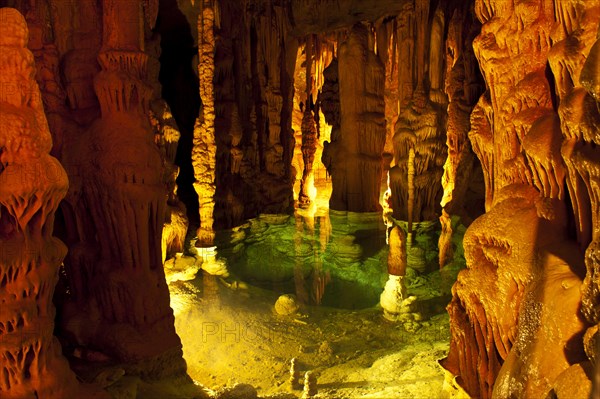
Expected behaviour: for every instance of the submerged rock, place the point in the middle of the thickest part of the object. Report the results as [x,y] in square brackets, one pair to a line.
[286,305]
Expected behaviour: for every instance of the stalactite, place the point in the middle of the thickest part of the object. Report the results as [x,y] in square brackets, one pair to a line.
[422,30]
[436,57]
[389,29]
[254,58]
[406,52]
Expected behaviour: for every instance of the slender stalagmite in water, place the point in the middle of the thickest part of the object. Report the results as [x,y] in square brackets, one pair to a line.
[411,190]
[309,130]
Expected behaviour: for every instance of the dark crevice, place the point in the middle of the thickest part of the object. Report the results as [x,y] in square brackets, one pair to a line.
[552,84]
[571,223]
[180,89]
[261,122]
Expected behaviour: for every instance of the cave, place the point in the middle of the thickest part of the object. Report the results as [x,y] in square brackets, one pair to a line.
[221,199]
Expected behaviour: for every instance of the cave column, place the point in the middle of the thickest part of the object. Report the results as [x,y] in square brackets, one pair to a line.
[204,150]
[357,158]
[419,132]
[115,271]
[462,90]
[309,130]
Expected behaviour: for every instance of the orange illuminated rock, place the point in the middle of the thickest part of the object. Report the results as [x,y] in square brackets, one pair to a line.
[204,152]
[531,144]
[32,183]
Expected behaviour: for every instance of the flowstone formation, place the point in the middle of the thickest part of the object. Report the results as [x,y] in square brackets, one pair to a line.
[581,130]
[119,300]
[534,131]
[32,183]
[461,169]
[419,141]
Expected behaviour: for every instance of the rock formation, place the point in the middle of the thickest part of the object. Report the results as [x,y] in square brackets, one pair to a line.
[419,137]
[253,58]
[205,148]
[523,131]
[308,129]
[463,89]
[118,198]
[354,157]
[394,299]
[32,183]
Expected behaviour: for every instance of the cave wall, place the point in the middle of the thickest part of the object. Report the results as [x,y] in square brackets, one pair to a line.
[535,131]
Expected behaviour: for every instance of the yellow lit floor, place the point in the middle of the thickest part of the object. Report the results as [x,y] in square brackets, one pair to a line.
[235,336]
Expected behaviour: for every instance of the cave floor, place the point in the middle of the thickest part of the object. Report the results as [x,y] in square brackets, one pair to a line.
[234,336]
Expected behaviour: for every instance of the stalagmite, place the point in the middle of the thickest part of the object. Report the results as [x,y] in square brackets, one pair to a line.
[394,300]
[411,188]
[445,241]
[295,375]
[310,385]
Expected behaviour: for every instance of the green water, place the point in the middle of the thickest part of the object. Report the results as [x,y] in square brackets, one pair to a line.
[334,259]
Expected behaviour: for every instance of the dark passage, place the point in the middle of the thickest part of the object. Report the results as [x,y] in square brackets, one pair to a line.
[180,89]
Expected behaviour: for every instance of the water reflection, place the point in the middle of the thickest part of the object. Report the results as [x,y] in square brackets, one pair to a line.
[329,258]
[324,257]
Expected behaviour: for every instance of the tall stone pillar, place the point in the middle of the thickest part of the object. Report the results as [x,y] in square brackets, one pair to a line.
[355,156]
[205,147]
[118,287]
